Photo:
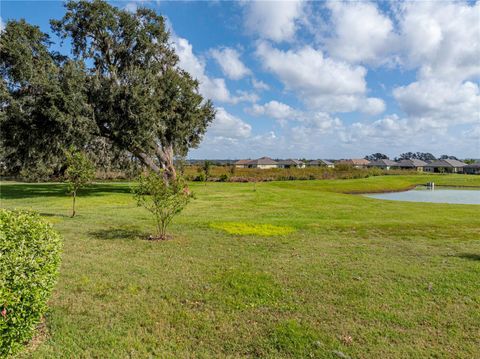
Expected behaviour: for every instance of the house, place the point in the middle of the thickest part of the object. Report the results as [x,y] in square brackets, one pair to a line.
[242,163]
[383,164]
[290,164]
[264,162]
[356,162]
[320,163]
[472,169]
[445,166]
[412,164]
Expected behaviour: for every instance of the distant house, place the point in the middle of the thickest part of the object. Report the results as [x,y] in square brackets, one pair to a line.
[445,166]
[242,163]
[320,163]
[356,162]
[412,164]
[472,169]
[290,164]
[264,162]
[383,164]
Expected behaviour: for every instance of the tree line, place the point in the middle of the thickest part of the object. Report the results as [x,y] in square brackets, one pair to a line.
[424,156]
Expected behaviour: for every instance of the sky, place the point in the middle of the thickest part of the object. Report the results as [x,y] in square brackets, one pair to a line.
[296,79]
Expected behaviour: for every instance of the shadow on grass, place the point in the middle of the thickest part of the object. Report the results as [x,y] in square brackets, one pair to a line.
[119,233]
[470,256]
[29,190]
[43,214]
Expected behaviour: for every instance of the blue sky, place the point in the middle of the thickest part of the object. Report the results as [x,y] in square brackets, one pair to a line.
[323,79]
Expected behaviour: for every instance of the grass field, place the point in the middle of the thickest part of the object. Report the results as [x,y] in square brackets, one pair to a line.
[321,274]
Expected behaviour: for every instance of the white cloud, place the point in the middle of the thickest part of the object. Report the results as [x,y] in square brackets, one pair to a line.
[226,125]
[131,7]
[273,20]
[259,85]
[2,25]
[445,103]
[320,82]
[361,32]
[441,38]
[213,88]
[273,109]
[230,63]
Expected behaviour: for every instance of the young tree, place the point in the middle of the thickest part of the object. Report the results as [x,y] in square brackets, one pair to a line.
[142,101]
[80,171]
[206,169]
[164,200]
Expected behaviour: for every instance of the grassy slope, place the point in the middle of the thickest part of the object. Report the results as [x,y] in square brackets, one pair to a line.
[401,279]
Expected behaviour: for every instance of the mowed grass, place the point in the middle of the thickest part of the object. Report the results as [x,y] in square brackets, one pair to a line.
[355,276]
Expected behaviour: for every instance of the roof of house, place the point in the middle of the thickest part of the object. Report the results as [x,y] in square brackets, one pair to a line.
[290,162]
[356,161]
[383,162]
[263,161]
[412,162]
[473,165]
[320,162]
[242,162]
[446,163]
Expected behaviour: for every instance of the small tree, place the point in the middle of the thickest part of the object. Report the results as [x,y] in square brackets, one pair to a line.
[206,169]
[164,199]
[80,171]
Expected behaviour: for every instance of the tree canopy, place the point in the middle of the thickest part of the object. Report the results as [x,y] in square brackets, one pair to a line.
[123,84]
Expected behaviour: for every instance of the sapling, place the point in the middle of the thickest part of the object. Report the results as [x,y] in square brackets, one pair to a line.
[80,172]
[164,199]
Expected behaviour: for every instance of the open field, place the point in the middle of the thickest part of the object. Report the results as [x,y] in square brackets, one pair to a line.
[323,273]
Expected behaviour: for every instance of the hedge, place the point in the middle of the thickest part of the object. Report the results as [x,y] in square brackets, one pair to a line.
[29,262]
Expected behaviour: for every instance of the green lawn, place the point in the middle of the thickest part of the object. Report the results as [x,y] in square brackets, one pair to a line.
[346,275]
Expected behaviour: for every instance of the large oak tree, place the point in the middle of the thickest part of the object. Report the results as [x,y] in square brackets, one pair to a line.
[128,84]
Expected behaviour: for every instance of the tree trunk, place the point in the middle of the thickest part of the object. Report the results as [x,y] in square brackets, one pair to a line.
[165,156]
[73,208]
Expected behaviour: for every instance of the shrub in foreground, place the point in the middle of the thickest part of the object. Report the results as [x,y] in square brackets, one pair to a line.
[163,199]
[29,261]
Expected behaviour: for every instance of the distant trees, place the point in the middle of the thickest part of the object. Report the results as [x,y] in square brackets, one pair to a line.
[376,156]
[424,156]
[123,85]
[447,157]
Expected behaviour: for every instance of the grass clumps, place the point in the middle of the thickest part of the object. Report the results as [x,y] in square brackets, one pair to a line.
[251,229]
[296,340]
[244,289]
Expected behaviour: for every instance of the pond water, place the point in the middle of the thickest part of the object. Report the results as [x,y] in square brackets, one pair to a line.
[438,195]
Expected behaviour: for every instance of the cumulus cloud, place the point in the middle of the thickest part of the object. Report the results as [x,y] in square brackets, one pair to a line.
[227,125]
[273,20]
[273,109]
[321,82]
[259,85]
[230,63]
[361,32]
[213,88]
[442,102]
[441,38]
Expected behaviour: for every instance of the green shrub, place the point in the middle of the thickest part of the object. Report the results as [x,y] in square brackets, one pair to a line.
[29,261]
[163,199]
[223,177]
[200,178]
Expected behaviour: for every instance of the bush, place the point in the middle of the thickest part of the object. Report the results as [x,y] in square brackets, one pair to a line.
[164,200]
[223,177]
[200,178]
[29,261]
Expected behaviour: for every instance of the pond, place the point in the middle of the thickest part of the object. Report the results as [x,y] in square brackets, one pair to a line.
[438,195]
